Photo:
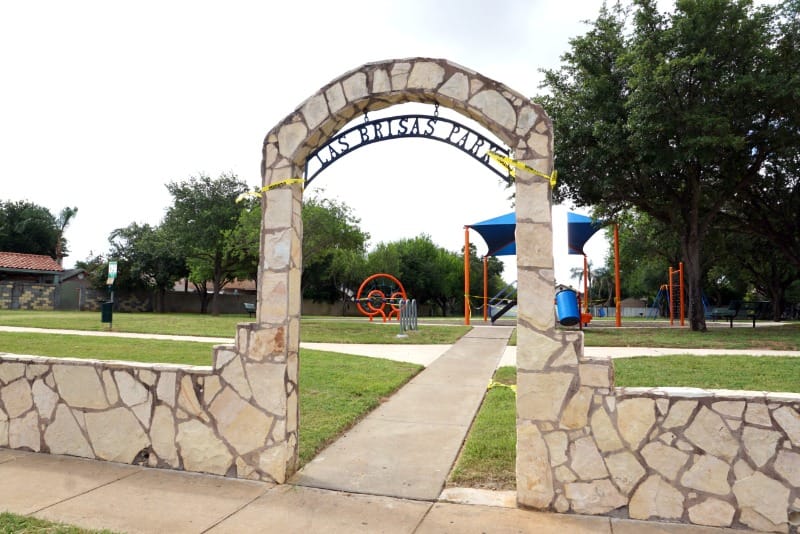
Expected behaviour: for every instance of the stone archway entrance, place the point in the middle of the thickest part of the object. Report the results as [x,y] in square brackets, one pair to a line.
[511,117]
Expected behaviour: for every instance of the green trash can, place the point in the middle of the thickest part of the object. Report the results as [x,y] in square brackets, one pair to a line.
[106,312]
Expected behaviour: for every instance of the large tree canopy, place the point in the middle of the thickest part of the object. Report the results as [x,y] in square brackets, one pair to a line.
[203,214]
[676,114]
[28,228]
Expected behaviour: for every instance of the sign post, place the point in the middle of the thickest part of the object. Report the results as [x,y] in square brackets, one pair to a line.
[106,308]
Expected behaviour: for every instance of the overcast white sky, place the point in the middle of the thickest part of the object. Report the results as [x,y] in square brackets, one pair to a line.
[102,103]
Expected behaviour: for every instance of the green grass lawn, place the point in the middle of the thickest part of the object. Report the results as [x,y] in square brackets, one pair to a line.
[313,329]
[17,524]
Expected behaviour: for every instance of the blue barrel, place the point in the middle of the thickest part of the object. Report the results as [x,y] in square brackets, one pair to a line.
[567,307]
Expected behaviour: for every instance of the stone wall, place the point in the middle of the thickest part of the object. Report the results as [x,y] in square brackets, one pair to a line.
[27,296]
[226,419]
[716,458]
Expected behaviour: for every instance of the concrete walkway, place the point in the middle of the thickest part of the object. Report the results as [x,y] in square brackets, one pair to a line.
[407,446]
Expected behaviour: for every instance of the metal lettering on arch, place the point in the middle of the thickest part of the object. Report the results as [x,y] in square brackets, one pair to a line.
[433,127]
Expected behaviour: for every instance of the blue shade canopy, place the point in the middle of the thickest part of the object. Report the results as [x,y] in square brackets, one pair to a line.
[498,234]
[580,229]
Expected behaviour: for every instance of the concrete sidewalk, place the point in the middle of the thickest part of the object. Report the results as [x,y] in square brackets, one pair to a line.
[407,446]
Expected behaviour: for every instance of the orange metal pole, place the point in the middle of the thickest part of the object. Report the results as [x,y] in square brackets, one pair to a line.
[585,283]
[671,301]
[618,295]
[466,276]
[485,289]
[680,275]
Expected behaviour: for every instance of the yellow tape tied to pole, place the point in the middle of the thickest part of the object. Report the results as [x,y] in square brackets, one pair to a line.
[511,165]
[258,192]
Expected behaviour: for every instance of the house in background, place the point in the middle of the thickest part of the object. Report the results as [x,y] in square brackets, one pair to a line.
[28,281]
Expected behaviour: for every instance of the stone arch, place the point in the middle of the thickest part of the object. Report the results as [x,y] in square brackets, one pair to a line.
[510,116]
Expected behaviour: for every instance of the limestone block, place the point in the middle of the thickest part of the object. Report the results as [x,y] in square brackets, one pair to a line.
[753,519]
[557,443]
[729,408]
[586,460]
[787,465]
[540,144]
[35,371]
[495,107]
[116,435]
[291,414]
[540,396]
[576,413]
[712,512]
[187,399]
[380,82]
[80,387]
[290,136]
[3,432]
[131,391]
[273,296]
[595,375]
[233,374]
[211,387]
[657,499]
[539,246]
[708,473]
[760,444]
[24,432]
[527,118]
[17,397]
[147,377]
[764,495]
[273,462]
[110,386]
[567,358]
[276,252]
[64,436]
[279,205]
[355,87]
[143,412]
[789,421]
[201,450]
[456,87]
[535,349]
[534,475]
[44,398]
[679,413]
[564,474]
[626,471]
[533,307]
[605,434]
[165,391]
[757,414]
[536,210]
[741,469]
[597,497]
[399,75]
[666,460]
[315,110]
[11,371]
[663,406]
[266,341]
[709,432]
[162,436]
[243,426]
[425,75]
[635,418]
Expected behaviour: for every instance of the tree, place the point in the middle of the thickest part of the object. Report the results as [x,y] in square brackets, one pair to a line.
[28,228]
[64,218]
[329,226]
[203,213]
[675,115]
[148,259]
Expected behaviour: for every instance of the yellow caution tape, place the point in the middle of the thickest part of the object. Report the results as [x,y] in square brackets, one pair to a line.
[494,384]
[257,193]
[512,164]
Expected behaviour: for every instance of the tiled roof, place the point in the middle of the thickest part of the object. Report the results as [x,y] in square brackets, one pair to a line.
[29,262]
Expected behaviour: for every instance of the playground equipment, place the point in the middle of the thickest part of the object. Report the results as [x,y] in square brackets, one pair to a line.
[379,291]
[671,294]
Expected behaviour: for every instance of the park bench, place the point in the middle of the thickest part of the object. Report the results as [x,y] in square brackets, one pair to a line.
[751,310]
[250,308]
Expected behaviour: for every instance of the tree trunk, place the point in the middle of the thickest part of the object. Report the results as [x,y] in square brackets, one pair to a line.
[693,274]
